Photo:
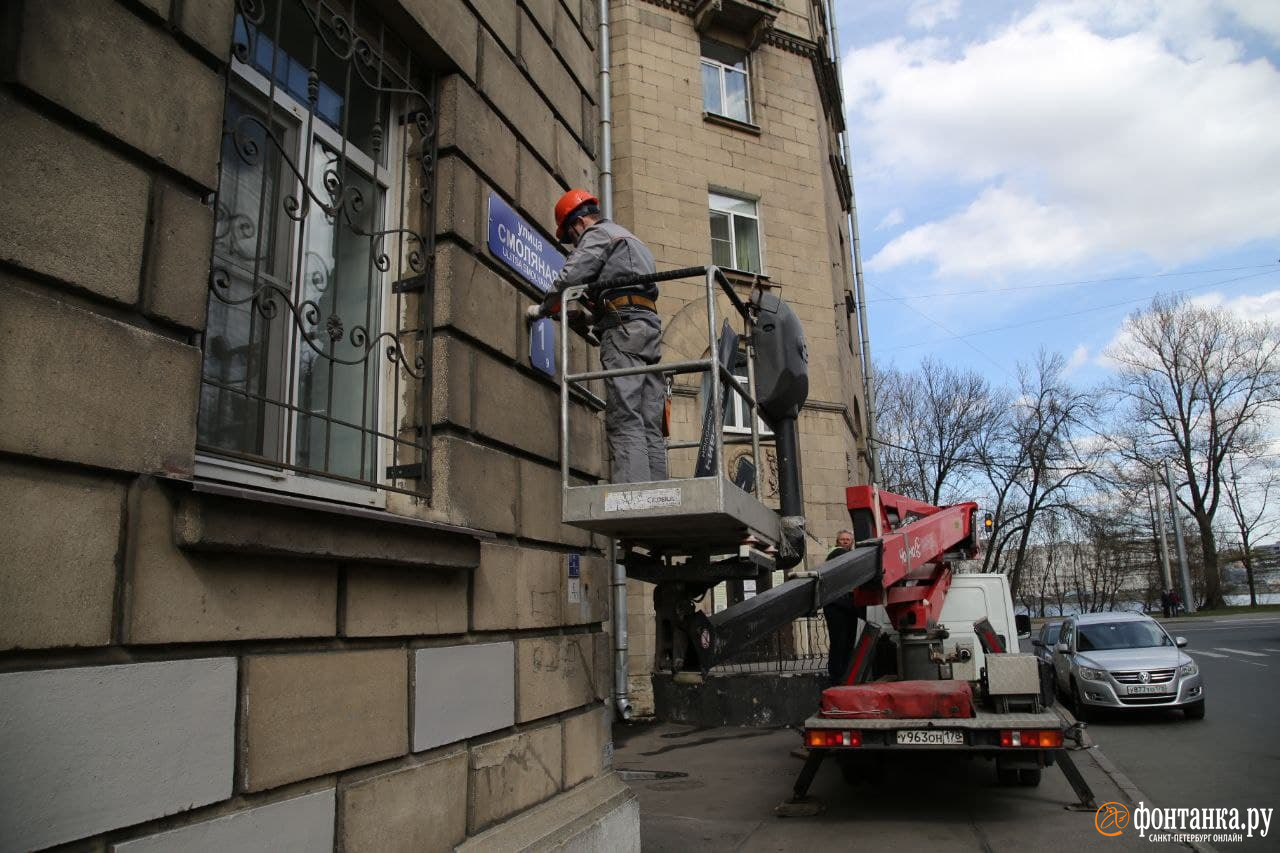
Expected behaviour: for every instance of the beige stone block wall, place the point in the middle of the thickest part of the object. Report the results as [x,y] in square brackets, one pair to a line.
[667,158]
[513,773]
[303,715]
[107,541]
[421,807]
[57,589]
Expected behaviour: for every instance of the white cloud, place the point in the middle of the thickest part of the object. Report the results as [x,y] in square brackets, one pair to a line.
[1261,15]
[1086,131]
[1002,229]
[1261,306]
[1079,358]
[892,219]
[927,14]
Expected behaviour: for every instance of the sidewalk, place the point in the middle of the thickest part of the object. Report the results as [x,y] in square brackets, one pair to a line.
[734,777]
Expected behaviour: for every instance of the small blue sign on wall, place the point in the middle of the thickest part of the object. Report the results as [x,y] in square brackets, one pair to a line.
[542,346]
[518,244]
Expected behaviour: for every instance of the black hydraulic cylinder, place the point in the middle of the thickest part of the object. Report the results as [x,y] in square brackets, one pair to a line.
[731,631]
[790,495]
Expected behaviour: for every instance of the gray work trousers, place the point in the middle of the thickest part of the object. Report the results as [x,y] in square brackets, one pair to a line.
[633,419]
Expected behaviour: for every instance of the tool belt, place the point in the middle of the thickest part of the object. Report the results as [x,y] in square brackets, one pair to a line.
[636,301]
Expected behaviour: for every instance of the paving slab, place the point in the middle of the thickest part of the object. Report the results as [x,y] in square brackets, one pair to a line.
[715,790]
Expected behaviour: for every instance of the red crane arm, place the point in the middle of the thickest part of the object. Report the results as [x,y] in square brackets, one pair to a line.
[919,540]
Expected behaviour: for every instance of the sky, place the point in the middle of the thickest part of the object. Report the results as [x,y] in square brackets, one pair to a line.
[1029,173]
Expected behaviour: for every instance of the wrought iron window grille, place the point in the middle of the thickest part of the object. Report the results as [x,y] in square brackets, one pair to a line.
[318,347]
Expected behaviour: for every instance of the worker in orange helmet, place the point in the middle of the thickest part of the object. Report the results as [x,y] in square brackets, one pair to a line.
[628,327]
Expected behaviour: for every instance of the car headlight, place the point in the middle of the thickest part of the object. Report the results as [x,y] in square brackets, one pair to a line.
[1188,669]
[1090,674]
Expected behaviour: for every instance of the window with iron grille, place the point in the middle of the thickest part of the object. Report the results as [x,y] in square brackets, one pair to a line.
[316,350]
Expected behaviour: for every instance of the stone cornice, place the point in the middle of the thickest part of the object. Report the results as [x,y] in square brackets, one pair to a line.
[775,38]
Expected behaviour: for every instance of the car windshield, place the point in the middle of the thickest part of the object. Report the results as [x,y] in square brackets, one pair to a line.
[1051,632]
[1121,635]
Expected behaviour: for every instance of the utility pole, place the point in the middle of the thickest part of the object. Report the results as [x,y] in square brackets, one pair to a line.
[1187,601]
[1164,543]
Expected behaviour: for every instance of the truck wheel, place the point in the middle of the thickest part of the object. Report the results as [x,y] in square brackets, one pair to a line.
[1194,711]
[1029,777]
[1006,776]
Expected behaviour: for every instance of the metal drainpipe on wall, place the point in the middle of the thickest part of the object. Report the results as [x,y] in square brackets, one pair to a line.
[859,284]
[618,573]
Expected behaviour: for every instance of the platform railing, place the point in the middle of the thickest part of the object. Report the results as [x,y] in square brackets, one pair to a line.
[572,300]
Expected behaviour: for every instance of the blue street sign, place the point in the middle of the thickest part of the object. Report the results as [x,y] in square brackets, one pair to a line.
[518,244]
[542,346]
[575,565]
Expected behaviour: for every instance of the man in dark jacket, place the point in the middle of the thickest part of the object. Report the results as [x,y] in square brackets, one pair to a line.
[842,621]
[629,330]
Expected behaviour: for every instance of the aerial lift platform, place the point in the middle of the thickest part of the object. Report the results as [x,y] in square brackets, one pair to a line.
[687,535]
[685,521]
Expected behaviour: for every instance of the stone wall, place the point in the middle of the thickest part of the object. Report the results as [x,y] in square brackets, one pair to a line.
[191,667]
[668,156]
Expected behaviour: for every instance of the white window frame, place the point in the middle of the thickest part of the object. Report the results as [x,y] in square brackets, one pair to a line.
[209,465]
[722,69]
[735,419]
[712,196]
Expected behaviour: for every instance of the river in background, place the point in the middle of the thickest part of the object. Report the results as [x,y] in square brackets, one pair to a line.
[1238,600]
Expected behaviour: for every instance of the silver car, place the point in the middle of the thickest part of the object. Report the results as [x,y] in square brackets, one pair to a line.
[1125,660]
[1044,644]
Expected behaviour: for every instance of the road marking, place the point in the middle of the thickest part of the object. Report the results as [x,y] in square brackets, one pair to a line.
[1206,654]
[1265,649]
[1241,652]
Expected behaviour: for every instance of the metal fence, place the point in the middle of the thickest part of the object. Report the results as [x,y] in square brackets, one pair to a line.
[800,647]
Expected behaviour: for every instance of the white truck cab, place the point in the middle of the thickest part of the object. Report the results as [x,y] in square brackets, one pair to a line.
[972,597]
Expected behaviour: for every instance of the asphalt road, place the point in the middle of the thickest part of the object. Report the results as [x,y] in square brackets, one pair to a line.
[715,790]
[1231,759]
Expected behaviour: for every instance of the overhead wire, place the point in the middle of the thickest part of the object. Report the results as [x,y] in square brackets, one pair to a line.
[1077,282]
[1058,317]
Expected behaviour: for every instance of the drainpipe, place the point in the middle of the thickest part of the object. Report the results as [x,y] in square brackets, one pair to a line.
[618,583]
[859,284]
[606,115]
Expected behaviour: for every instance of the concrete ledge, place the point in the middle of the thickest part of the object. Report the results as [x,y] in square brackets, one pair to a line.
[602,814]
[761,699]
[242,521]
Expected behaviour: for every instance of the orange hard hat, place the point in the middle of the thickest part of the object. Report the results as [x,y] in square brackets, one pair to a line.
[568,203]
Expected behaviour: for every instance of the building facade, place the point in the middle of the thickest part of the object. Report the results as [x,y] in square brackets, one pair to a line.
[281,560]
[727,119]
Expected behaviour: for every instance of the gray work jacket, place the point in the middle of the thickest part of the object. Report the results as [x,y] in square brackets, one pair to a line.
[606,252]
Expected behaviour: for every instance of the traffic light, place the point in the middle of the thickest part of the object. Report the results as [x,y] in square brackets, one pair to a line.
[988,523]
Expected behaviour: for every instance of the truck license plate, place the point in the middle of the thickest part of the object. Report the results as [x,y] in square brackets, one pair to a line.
[930,737]
[1147,690]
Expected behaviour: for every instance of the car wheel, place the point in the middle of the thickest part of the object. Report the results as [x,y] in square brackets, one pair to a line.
[1029,777]
[1082,711]
[1194,711]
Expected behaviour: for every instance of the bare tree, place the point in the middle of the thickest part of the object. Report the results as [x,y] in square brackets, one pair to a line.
[1195,384]
[1248,494]
[928,422]
[1033,460]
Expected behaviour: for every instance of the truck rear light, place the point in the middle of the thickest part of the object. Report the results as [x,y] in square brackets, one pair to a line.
[1037,738]
[832,737]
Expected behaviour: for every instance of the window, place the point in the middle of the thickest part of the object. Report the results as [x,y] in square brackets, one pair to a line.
[306,356]
[726,86]
[737,413]
[735,233]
